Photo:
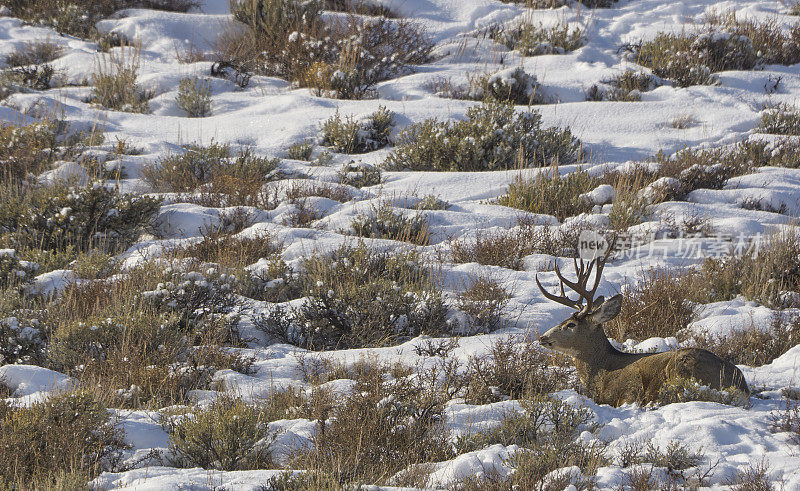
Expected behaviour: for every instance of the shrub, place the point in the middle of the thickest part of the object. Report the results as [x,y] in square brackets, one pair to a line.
[228,251]
[767,272]
[301,151]
[228,434]
[630,205]
[512,370]
[379,430]
[241,177]
[492,137]
[194,97]
[507,247]
[94,216]
[626,86]
[199,302]
[14,272]
[360,297]
[133,356]
[351,136]
[754,347]
[360,175]
[385,223]
[35,53]
[512,85]
[24,340]
[710,168]
[79,18]
[483,300]
[335,57]
[725,43]
[691,59]
[71,432]
[115,84]
[28,149]
[655,306]
[754,478]
[780,120]
[547,429]
[771,43]
[535,40]
[304,189]
[550,193]
[684,390]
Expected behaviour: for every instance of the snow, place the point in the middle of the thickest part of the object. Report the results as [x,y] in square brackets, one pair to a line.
[270,115]
[29,383]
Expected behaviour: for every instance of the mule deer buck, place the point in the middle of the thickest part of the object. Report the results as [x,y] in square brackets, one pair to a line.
[611,376]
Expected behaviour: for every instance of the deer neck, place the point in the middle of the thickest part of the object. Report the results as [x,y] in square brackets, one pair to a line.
[600,356]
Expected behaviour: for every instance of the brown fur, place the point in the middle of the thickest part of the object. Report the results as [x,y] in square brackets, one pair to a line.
[613,377]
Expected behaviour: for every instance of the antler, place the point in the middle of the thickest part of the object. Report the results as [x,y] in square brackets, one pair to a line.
[583,272]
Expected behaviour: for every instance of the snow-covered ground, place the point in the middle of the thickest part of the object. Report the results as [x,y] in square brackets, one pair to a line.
[269,115]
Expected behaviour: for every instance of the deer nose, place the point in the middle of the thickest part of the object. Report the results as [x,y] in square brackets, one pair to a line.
[544,340]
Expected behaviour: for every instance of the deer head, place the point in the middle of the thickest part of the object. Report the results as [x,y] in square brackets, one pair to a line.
[582,332]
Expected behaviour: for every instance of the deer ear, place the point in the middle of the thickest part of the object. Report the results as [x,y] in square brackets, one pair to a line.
[607,310]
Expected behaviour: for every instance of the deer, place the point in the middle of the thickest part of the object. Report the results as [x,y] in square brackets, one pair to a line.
[614,377]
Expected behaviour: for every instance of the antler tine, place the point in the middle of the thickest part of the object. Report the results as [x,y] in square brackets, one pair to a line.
[583,272]
[563,299]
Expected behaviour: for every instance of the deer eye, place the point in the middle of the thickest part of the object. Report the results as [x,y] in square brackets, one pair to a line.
[571,325]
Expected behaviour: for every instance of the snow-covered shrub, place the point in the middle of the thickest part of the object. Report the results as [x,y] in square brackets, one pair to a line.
[754,477]
[754,346]
[227,434]
[297,190]
[24,340]
[630,205]
[200,303]
[34,53]
[772,43]
[194,97]
[781,119]
[398,423]
[507,247]
[483,300]
[656,305]
[138,356]
[36,77]
[240,177]
[625,86]
[359,297]
[300,151]
[360,174]
[333,56]
[14,272]
[692,59]
[710,168]
[115,84]
[492,137]
[512,85]
[60,217]
[220,247]
[537,39]
[28,149]
[271,280]
[547,429]
[513,370]
[682,389]
[365,135]
[67,433]
[767,271]
[548,192]
[382,222]
[78,17]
